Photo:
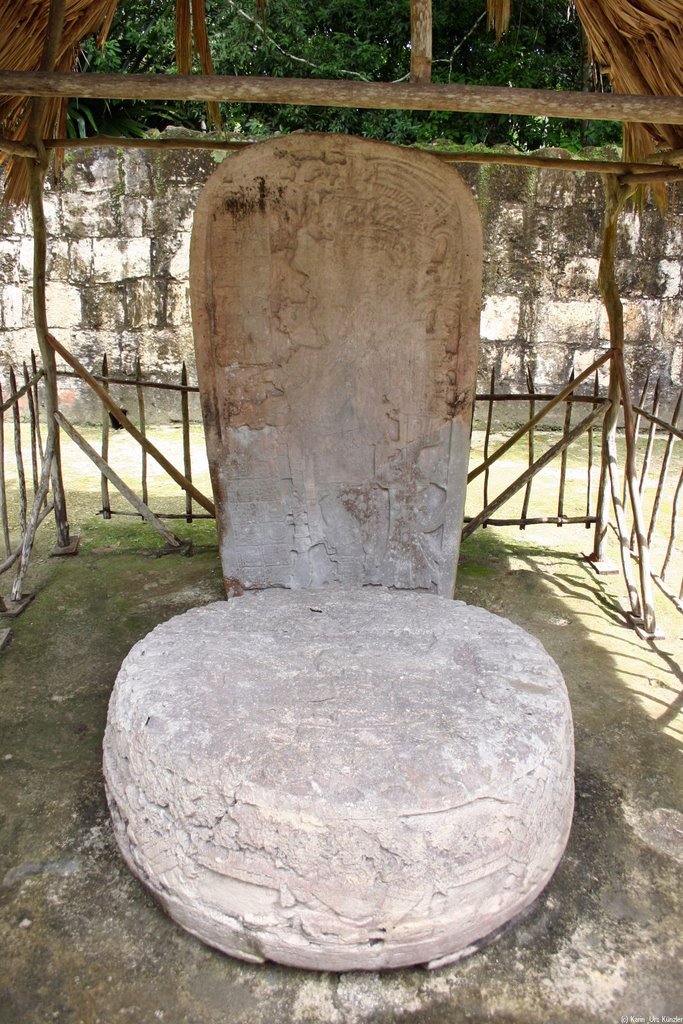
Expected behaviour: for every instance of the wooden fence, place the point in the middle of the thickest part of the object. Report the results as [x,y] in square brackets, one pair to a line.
[577,488]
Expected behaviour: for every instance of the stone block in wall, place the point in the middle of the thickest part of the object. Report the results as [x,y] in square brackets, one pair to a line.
[58,265]
[12,307]
[81,253]
[500,317]
[583,358]
[179,267]
[26,259]
[578,278]
[135,217]
[567,323]
[552,366]
[178,303]
[141,300]
[103,306]
[84,216]
[552,188]
[669,278]
[63,305]
[9,261]
[116,259]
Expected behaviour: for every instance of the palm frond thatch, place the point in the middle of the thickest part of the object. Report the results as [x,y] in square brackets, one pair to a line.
[24,29]
[639,45]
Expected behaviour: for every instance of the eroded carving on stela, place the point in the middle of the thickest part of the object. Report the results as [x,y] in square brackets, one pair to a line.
[335,298]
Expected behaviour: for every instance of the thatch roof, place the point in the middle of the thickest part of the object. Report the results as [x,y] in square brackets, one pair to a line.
[638,44]
[22,38]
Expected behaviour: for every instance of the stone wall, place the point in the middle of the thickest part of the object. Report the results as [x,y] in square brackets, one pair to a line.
[119,227]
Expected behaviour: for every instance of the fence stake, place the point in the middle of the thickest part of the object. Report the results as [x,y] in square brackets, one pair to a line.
[643,395]
[674,527]
[21,476]
[563,464]
[648,452]
[32,422]
[589,473]
[487,437]
[140,392]
[664,471]
[35,374]
[33,521]
[104,483]
[4,521]
[187,448]
[532,410]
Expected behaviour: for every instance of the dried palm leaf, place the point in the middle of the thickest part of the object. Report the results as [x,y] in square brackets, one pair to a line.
[24,29]
[498,16]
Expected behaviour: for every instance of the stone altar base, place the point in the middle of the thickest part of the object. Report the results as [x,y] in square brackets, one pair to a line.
[340,780]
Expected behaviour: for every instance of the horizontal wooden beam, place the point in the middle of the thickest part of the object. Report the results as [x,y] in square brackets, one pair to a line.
[479,99]
[552,163]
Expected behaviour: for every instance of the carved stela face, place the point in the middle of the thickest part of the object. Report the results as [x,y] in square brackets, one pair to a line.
[336,289]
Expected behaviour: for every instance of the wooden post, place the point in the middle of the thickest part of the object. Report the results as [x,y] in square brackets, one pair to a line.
[36,401]
[487,436]
[104,483]
[140,391]
[615,197]
[674,527]
[563,463]
[644,469]
[532,410]
[187,448]
[589,467]
[21,475]
[4,520]
[643,395]
[420,41]
[36,176]
[664,471]
[32,424]
[33,522]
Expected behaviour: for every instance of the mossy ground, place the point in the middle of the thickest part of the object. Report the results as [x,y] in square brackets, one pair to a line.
[81,940]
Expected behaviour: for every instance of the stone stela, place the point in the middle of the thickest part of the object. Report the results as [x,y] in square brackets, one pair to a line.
[335,288]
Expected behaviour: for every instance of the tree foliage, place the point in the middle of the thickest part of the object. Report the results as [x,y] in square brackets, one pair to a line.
[352,39]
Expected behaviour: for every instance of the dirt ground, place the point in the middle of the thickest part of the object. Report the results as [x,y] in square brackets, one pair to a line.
[83,943]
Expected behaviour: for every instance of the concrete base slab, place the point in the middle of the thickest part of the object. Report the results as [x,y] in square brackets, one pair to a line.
[59,551]
[340,780]
[13,609]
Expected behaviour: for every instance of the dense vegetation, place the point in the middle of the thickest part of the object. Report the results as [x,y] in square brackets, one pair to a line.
[354,39]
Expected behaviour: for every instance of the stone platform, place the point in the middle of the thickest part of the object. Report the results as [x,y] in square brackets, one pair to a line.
[338,779]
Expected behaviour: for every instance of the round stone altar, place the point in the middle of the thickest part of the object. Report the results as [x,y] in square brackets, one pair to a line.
[340,780]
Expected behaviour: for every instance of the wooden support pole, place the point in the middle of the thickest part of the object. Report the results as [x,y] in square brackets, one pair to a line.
[589,457]
[140,507]
[547,457]
[36,375]
[552,404]
[532,412]
[187,447]
[104,482]
[4,519]
[615,197]
[36,175]
[18,454]
[32,424]
[33,521]
[563,461]
[420,41]
[645,468]
[14,556]
[664,471]
[624,550]
[487,436]
[140,392]
[674,526]
[643,395]
[317,92]
[120,415]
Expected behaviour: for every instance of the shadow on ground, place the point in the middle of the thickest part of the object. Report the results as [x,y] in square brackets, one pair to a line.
[84,943]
